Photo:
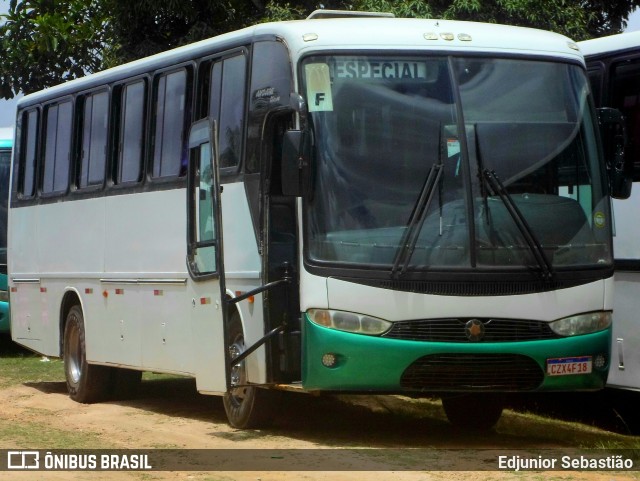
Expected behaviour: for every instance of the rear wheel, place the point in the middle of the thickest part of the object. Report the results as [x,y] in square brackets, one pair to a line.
[86,383]
[246,406]
[476,411]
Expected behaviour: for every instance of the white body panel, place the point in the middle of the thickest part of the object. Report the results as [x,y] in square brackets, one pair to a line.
[627,229]
[612,43]
[625,355]
[141,308]
[398,306]
[243,270]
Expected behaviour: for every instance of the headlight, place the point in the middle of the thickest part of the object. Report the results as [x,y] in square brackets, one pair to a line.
[348,321]
[581,324]
[4,296]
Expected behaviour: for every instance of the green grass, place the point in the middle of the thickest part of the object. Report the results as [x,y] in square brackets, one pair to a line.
[18,366]
[36,435]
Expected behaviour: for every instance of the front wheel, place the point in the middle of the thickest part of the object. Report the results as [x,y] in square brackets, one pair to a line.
[475,411]
[247,407]
[86,383]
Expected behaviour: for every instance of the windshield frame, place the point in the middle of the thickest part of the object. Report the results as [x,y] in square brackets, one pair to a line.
[478,273]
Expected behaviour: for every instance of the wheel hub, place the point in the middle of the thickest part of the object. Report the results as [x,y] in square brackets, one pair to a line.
[238,371]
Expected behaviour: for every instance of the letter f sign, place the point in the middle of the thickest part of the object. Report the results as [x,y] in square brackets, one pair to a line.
[319,98]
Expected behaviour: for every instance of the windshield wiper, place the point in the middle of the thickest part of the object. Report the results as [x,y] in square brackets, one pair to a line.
[414,226]
[495,185]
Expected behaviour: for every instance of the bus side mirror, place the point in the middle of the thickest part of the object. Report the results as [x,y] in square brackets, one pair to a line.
[295,160]
[614,140]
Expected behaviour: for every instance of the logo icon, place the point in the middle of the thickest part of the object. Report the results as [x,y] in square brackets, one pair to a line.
[23,460]
[474,330]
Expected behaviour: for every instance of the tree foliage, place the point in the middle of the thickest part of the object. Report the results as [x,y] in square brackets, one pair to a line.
[577,19]
[145,27]
[45,42]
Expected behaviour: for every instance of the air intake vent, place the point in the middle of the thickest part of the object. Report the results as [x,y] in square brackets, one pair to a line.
[456,330]
[473,372]
[316,14]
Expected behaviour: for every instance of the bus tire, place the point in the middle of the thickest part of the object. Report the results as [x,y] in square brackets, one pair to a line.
[86,383]
[246,407]
[475,411]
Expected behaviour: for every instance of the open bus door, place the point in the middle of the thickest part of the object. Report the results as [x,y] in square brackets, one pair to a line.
[205,261]
[216,328]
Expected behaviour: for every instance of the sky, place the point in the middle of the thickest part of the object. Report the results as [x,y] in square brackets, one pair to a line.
[7,107]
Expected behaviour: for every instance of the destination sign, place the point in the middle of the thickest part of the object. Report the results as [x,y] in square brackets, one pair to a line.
[379,69]
[321,76]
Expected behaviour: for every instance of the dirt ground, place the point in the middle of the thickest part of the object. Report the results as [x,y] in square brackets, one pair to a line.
[169,414]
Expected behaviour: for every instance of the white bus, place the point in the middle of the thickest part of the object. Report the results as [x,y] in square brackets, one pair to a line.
[361,204]
[614,71]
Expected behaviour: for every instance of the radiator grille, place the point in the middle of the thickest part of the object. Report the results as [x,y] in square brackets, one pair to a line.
[473,372]
[453,330]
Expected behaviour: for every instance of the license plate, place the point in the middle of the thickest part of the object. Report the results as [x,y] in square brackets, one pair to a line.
[569,366]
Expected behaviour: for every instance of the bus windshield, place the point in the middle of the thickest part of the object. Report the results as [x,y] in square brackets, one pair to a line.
[424,163]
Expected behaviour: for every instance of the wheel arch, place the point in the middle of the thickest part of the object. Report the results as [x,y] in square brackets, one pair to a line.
[233,307]
[70,298]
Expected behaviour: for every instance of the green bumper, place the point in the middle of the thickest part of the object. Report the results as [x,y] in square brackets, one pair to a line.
[370,363]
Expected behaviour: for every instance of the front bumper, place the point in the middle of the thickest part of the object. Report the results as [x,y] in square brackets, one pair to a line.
[371,363]
[4,317]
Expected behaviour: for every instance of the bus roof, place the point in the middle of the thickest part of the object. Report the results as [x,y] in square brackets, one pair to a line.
[610,44]
[447,35]
[6,137]
[359,33]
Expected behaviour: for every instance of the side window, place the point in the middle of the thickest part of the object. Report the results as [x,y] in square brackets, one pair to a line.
[170,157]
[205,255]
[595,79]
[214,94]
[58,125]
[202,233]
[27,174]
[625,89]
[271,84]
[95,122]
[132,129]
[227,106]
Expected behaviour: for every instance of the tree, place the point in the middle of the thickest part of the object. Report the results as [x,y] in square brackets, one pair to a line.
[145,27]
[46,42]
[577,19]
[607,17]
